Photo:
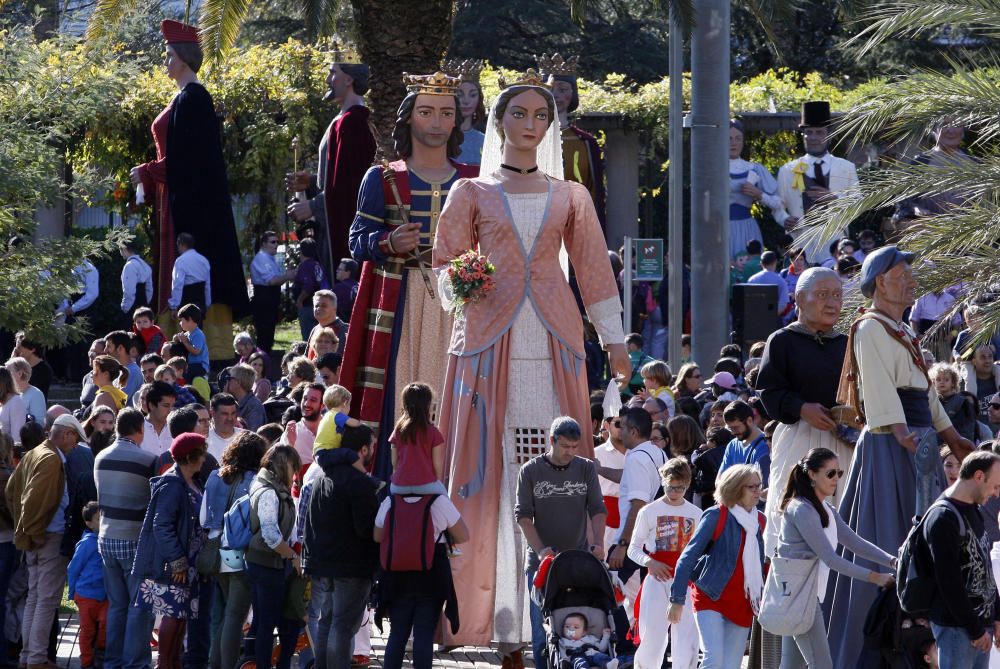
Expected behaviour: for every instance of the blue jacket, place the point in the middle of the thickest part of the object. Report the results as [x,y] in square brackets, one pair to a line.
[217,495]
[710,567]
[166,529]
[86,571]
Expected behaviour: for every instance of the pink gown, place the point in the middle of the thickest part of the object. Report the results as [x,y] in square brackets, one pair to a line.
[516,361]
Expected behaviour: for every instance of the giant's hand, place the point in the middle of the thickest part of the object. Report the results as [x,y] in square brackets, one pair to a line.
[405,238]
[621,366]
[300,211]
[817,415]
[298,181]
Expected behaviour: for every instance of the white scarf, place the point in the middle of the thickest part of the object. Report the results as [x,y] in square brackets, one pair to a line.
[753,577]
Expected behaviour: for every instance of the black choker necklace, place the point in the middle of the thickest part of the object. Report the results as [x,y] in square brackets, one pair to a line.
[518,169]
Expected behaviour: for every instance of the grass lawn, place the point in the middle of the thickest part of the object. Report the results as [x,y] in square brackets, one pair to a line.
[286,334]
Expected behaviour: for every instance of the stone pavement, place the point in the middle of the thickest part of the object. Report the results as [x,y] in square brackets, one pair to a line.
[463,658]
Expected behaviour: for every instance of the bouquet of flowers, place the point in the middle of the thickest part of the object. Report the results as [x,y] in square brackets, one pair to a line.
[469,279]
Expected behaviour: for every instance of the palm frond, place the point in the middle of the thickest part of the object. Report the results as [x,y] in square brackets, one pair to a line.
[770,13]
[912,18]
[319,17]
[107,14]
[964,230]
[220,22]
[905,109]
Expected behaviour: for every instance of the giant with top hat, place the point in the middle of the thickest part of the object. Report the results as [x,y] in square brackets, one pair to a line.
[815,114]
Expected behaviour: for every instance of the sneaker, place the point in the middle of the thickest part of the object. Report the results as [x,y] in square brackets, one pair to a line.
[612,663]
[516,660]
[360,661]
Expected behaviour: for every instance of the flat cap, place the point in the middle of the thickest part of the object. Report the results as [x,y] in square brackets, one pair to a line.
[879,262]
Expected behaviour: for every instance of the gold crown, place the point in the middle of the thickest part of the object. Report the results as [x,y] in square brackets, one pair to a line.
[341,53]
[529,78]
[438,83]
[556,65]
[466,70]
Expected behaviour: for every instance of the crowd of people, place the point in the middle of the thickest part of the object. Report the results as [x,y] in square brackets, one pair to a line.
[403,460]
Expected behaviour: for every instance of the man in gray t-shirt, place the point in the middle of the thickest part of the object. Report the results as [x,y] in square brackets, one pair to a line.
[557,494]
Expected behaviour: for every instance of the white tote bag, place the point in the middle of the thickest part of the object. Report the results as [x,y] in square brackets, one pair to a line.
[788,606]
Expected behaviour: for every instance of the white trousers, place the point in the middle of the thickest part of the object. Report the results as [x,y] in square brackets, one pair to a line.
[655,631]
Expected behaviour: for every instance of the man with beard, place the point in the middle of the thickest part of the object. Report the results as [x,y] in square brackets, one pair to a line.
[339,553]
[813,177]
[301,434]
[884,379]
[389,346]
[345,152]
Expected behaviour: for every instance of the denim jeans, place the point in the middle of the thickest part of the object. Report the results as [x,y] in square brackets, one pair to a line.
[9,557]
[537,629]
[419,615]
[235,602]
[267,586]
[129,627]
[722,642]
[199,630]
[343,609]
[955,649]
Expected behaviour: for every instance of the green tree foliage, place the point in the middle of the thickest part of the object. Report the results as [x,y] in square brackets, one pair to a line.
[51,92]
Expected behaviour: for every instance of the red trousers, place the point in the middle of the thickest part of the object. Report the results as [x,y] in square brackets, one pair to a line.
[93,627]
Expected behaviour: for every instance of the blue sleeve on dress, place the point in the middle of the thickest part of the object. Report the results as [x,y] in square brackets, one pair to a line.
[369,220]
[767,183]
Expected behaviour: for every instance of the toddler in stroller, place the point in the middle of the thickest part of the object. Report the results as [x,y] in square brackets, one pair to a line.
[582,649]
[577,601]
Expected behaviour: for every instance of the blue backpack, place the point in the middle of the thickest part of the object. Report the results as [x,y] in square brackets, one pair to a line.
[236,526]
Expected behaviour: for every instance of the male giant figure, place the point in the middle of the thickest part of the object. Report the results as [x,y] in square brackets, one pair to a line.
[813,177]
[885,380]
[399,333]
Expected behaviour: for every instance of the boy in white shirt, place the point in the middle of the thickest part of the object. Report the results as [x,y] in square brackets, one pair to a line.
[662,530]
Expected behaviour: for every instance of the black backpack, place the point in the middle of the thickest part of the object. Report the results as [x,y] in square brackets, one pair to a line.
[915,583]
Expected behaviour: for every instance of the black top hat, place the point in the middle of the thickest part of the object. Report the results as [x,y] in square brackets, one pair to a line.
[815,114]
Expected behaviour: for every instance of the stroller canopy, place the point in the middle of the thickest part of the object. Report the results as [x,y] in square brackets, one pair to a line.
[578,578]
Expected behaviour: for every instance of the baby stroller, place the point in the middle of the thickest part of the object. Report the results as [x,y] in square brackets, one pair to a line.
[577,582]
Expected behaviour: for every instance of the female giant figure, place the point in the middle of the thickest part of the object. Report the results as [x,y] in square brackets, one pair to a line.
[516,358]
[188,181]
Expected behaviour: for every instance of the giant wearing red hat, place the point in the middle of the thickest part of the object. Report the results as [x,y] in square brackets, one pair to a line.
[175,32]
[188,185]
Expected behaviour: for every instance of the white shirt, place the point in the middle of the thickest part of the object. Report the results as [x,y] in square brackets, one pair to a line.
[217,444]
[134,272]
[640,478]
[190,267]
[263,268]
[154,443]
[609,457]
[661,526]
[89,280]
[304,439]
[444,514]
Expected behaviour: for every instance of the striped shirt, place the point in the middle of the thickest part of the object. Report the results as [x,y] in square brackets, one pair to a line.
[122,474]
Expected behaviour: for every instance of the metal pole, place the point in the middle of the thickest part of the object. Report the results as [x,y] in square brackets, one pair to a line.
[627,284]
[709,180]
[675,186]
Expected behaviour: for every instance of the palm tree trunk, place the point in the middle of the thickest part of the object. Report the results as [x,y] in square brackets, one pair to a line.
[397,36]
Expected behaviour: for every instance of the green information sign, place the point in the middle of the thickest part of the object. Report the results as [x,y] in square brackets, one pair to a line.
[648,259]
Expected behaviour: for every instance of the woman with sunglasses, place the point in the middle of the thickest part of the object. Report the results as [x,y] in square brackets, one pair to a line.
[811,527]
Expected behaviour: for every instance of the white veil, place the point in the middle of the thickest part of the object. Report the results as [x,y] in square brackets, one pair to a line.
[549,153]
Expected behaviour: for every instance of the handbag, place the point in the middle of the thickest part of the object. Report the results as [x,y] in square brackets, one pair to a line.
[788,607]
[209,560]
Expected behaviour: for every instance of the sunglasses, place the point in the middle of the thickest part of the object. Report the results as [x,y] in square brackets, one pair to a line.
[835,473]
[676,488]
[616,423]
[994,405]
